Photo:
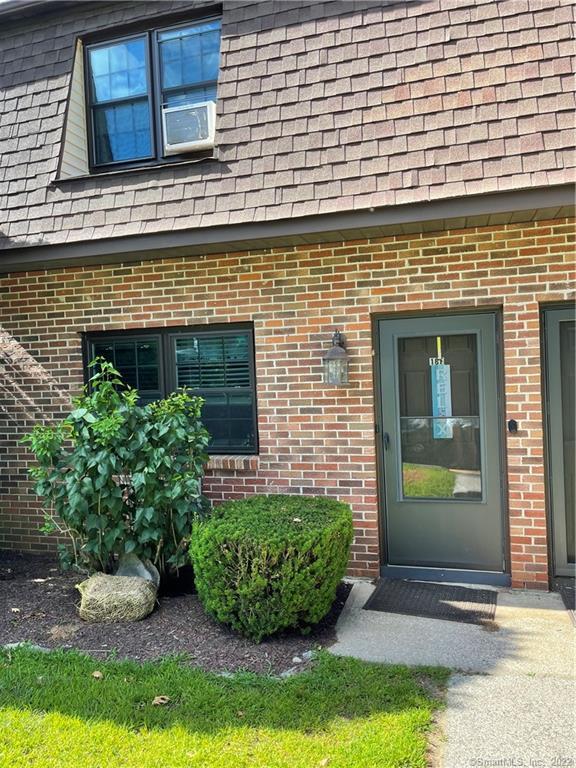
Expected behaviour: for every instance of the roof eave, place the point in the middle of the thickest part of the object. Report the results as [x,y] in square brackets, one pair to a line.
[473,210]
[20,10]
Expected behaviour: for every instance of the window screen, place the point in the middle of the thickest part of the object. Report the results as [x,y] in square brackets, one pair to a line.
[137,360]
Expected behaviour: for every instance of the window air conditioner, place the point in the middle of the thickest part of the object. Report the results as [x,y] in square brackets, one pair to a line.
[188,128]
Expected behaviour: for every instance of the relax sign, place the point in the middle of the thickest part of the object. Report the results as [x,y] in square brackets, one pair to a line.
[441,399]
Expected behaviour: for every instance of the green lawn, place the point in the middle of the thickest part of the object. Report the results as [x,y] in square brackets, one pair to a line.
[424,481]
[342,714]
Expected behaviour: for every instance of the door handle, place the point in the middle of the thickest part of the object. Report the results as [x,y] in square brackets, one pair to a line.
[386,438]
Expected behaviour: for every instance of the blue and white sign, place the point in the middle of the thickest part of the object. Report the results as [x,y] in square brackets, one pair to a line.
[441,401]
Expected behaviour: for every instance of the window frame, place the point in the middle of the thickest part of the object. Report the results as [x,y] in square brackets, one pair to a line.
[167,361]
[92,106]
[154,95]
[134,337]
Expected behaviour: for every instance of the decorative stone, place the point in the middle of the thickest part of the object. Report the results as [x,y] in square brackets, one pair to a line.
[131,565]
[116,598]
[28,646]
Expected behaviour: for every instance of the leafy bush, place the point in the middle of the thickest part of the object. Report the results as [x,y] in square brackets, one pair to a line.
[120,477]
[270,562]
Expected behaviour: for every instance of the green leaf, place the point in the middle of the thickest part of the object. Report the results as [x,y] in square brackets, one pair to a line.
[100,482]
[93,522]
[138,479]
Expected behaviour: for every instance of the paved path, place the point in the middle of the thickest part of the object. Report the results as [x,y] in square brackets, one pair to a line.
[511,700]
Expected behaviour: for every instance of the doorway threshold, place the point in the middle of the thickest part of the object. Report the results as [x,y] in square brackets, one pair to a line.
[451,575]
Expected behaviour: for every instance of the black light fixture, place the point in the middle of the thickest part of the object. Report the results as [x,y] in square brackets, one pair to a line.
[336,363]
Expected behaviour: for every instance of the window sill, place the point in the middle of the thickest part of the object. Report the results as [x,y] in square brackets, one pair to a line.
[233,462]
[155,165]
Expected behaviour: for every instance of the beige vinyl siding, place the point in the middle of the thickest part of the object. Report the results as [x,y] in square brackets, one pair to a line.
[75,146]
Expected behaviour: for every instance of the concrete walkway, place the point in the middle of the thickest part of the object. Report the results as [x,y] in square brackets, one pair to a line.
[511,699]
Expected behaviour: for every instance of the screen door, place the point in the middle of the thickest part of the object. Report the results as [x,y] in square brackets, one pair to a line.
[441,442]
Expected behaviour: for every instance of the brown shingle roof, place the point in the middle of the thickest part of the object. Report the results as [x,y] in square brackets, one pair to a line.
[322,107]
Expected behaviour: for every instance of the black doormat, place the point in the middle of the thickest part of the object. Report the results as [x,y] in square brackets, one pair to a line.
[434,601]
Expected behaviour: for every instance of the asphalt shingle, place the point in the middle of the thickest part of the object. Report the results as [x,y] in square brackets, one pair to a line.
[322,107]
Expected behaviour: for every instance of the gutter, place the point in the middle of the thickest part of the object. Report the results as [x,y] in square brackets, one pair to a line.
[477,210]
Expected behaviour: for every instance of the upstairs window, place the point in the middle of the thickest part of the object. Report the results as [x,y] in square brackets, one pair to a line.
[189,60]
[151,96]
[121,101]
[217,364]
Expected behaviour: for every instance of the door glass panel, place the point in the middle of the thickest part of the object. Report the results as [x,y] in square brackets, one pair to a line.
[439,417]
[567,371]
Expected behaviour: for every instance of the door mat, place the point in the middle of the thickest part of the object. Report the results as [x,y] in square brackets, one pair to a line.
[434,601]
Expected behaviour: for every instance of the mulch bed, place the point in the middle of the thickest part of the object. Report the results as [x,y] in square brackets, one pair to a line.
[38,604]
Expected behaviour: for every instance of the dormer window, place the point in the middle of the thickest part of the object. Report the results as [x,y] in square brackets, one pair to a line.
[120,101]
[151,96]
[189,60]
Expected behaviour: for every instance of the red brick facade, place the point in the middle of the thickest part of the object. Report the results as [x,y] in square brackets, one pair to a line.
[312,439]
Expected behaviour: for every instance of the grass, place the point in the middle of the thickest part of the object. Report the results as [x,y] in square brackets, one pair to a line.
[343,713]
[422,481]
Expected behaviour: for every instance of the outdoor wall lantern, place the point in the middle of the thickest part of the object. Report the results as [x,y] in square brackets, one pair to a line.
[336,363]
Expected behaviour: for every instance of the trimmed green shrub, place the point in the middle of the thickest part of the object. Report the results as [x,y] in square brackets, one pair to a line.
[267,563]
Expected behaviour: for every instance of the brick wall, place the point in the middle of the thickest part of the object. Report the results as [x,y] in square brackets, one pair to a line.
[312,439]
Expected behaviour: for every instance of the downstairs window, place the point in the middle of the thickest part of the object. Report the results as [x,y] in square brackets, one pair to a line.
[216,364]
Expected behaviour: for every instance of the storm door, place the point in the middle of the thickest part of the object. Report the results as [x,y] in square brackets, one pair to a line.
[441,443]
[560,347]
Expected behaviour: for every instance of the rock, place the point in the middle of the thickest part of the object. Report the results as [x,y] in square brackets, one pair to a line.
[296,660]
[131,565]
[28,646]
[288,672]
[116,598]
[308,655]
